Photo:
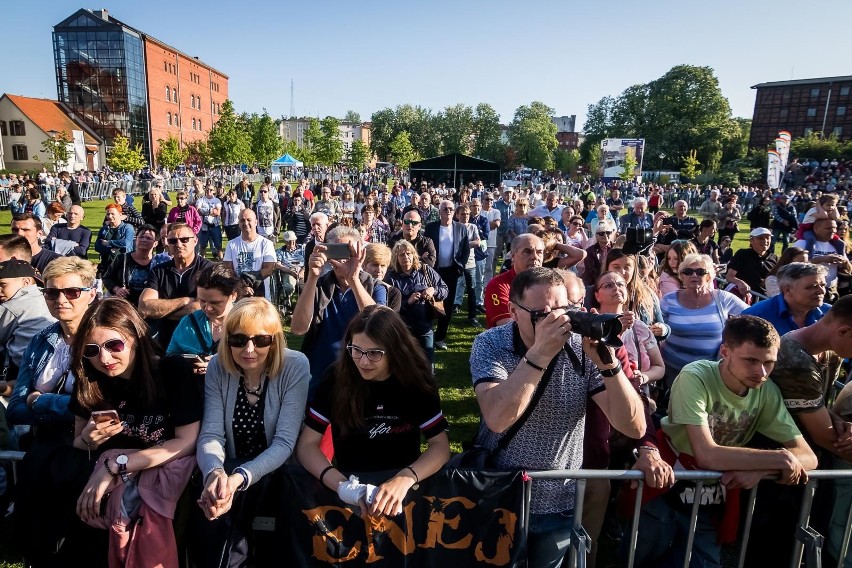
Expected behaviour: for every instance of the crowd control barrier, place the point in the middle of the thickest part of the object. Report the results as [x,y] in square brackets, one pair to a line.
[470,518]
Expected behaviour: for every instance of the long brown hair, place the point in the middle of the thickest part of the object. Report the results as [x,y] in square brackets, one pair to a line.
[408,364]
[120,315]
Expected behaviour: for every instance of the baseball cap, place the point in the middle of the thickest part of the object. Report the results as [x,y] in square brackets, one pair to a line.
[760,232]
[289,236]
[15,268]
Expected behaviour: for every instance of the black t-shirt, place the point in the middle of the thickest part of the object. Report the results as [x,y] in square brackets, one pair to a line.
[42,259]
[179,403]
[752,268]
[680,229]
[394,417]
[171,284]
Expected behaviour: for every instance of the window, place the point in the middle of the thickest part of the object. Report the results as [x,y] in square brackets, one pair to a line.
[192,101]
[199,124]
[814,93]
[3,128]
[198,102]
[844,91]
[812,111]
[17,129]
[168,94]
[783,113]
[19,152]
[165,65]
[837,132]
[174,95]
[193,124]
[841,111]
[809,131]
[169,115]
[177,120]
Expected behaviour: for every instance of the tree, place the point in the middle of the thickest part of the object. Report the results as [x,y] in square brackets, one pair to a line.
[266,144]
[456,129]
[123,158]
[566,161]
[628,170]
[533,135]
[352,116]
[170,154]
[56,149]
[402,151]
[229,140]
[359,154]
[198,153]
[593,161]
[690,169]
[816,147]
[328,147]
[312,139]
[486,133]
[382,133]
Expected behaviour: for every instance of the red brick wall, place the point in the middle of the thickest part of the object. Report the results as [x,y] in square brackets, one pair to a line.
[194,82]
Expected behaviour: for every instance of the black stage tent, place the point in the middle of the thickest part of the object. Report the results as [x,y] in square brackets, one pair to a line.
[455,170]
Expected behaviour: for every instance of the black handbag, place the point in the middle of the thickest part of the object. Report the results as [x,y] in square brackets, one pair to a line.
[476,456]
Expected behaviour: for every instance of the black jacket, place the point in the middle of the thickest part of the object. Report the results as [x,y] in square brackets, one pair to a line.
[461,245]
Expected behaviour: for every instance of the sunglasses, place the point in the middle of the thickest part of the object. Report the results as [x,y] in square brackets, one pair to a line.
[577,224]
[537,315]
[241,340]
[604,233]
[69,293]
[410,222]
[92,350]
[174,240]
[691,271]
[374,355]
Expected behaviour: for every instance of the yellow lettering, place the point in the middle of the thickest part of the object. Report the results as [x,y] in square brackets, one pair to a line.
[403,540]
[317,517]
[508,521]
[438,520]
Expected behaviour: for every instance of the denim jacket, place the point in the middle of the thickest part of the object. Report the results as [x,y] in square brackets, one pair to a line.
[49,407]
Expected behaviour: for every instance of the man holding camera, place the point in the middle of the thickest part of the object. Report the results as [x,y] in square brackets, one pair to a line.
[509,362]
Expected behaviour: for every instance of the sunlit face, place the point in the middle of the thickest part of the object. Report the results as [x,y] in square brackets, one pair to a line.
[248,222]
[10,286]
[805,292]
[370,370]
[112,364]
[145,241]
[611,290]
[74,216]
[180,249]
[748,365]
[113,217]
[26,228]
[529,254]
[411,225]
[214,303]
[761,244]
[680,209]
[695,281]
[624,266]
[251,358]
[405,258]
[376,269]
[673,258]
[541,297]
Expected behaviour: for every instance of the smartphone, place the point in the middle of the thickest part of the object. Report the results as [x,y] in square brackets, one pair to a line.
[190,356]
[338,251]
[101,416]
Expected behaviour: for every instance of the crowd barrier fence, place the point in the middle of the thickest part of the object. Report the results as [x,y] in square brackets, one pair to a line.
[808,543]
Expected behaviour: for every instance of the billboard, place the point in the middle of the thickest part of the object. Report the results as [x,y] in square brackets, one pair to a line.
[614,152]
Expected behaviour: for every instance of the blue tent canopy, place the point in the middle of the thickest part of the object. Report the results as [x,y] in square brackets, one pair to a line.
[286,161]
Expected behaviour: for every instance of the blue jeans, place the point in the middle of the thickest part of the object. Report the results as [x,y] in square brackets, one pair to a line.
[479,281]
[548,539]
[465,284]
[662,538]
[212,235]
[782,237]
[427,343]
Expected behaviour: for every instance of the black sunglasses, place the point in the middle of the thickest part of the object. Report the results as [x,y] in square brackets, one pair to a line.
[691,271]
[537,315]
[410,222]
[69,293]
[92,350]
[174,240]
[241,340]
[604,233]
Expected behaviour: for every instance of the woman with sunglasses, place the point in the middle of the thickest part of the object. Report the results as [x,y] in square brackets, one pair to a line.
[40,399]
[575,234]
[139,420]
[183,212]
[127,275]
[696,315]
[254,402]
[421,288]
[378,398]
[669,279]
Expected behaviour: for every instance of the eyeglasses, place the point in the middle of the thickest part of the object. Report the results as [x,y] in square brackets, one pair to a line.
[577,223]
[374,355]
[536,315]
[691,271]
[181,198]
[174,240]
[241,340]
[603,233]
[611,285]
[69,293]
[92,350]
[410,222]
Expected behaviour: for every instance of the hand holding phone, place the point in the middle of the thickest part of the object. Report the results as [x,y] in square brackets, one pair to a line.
[105,416]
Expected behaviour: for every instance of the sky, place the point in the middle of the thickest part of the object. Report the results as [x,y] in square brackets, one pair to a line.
[369,55]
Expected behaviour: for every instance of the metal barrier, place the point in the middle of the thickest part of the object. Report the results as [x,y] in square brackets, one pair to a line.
[807,539]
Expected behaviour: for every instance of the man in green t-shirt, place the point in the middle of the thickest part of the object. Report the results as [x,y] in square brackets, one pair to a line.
[716,407]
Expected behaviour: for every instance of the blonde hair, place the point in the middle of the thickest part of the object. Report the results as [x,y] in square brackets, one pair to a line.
[70,265]
[400,246]
[253,312]
[378,253]
[701,259]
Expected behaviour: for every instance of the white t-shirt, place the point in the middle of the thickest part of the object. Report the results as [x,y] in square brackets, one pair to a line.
[249,257]
[821,248]
[265,217]
[445,246]
[205,205]
[492,215]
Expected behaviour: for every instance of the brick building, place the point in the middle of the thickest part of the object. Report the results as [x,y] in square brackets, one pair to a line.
[801,107]
[120,80]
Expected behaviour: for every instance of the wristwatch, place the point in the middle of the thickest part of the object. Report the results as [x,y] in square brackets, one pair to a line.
[121,462]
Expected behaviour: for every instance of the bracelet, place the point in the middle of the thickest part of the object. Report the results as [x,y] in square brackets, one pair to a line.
[611,372]
[649,448]
[106,467]
[531,364]
[416,477]
[322,475]
[244,485]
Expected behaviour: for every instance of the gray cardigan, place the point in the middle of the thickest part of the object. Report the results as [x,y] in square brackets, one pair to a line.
[283,414]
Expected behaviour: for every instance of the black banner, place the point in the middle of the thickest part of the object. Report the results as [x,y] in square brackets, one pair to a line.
[453,519]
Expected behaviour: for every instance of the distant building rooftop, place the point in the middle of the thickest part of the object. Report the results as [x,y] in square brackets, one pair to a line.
[795,82]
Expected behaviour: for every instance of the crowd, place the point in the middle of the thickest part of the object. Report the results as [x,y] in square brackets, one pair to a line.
[156,383]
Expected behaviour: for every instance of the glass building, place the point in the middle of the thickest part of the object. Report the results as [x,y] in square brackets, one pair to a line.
[100,75]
